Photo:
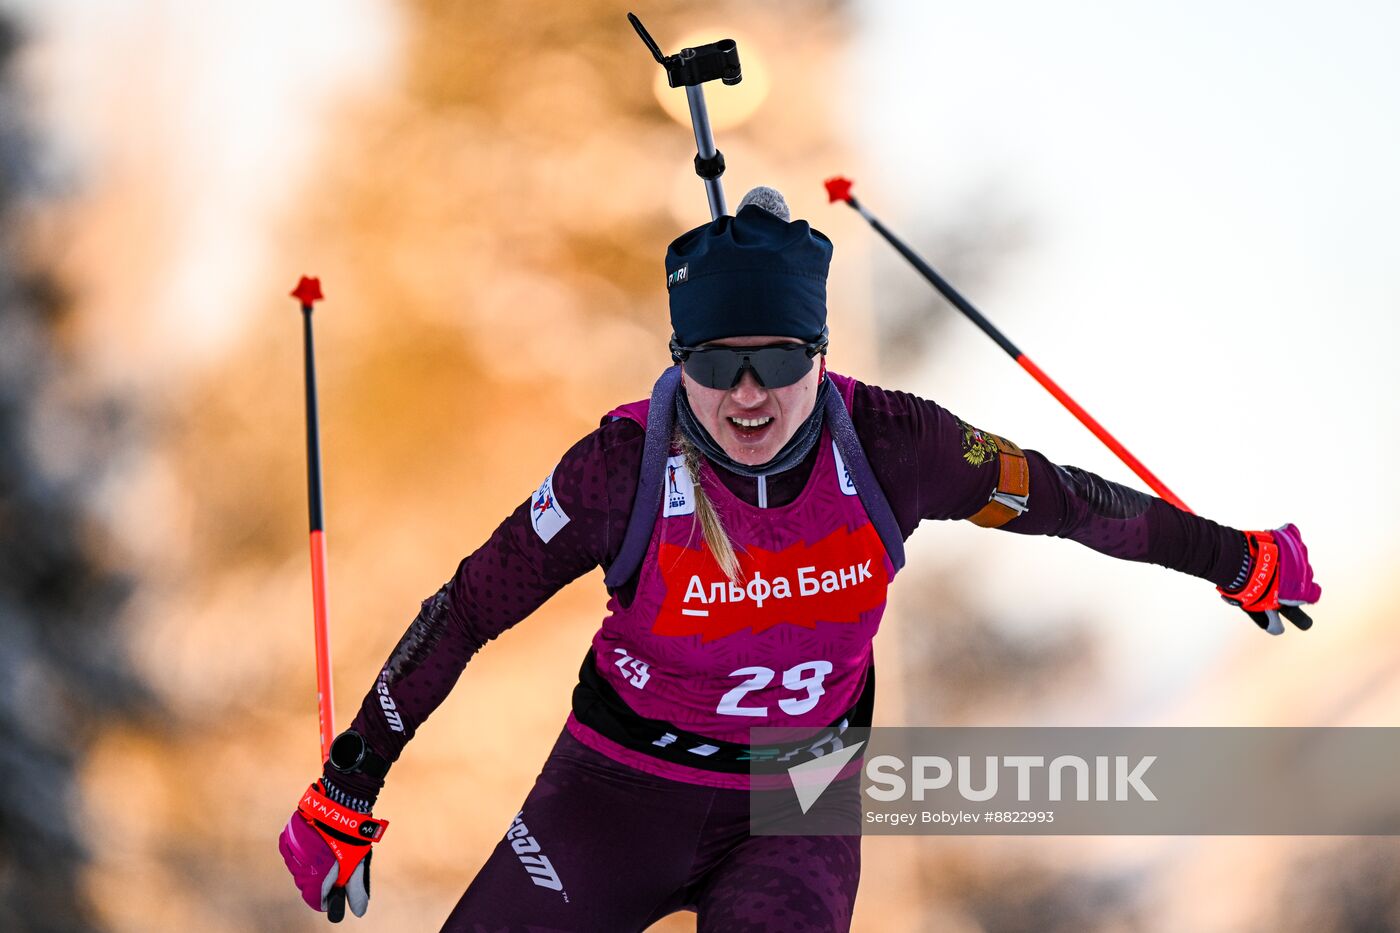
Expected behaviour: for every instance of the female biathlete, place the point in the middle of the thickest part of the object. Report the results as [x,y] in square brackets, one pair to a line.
[750,516]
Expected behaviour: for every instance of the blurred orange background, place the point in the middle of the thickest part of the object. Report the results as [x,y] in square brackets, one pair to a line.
[486,191]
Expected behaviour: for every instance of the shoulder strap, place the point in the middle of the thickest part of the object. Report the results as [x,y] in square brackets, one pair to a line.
[661,414]
[843,431]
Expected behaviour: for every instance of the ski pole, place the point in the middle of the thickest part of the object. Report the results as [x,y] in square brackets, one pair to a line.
[308,292]
[690,69]
[839,189]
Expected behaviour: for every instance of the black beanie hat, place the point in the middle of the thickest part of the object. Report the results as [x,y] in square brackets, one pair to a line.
[748,275]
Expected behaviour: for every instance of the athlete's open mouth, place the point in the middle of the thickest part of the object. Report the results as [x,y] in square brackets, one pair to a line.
[750,428]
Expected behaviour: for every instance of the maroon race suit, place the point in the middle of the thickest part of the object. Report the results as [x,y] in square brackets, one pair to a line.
[589,828]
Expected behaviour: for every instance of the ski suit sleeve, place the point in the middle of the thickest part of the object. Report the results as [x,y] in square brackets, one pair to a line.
[933,465]
[573,523]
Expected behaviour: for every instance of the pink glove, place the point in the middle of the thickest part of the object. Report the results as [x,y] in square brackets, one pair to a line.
[1280,580]
[324,841]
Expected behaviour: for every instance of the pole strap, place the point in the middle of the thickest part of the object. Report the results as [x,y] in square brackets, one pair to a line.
[349,834]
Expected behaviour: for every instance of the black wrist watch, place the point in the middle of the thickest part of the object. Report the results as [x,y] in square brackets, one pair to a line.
[351,754]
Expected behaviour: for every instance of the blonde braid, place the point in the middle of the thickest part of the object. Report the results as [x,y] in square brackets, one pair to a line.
[716,538]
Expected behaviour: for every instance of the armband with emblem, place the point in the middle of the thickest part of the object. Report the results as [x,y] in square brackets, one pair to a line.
[1012,493]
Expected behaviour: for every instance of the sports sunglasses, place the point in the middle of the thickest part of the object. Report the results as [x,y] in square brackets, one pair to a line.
[774,365]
